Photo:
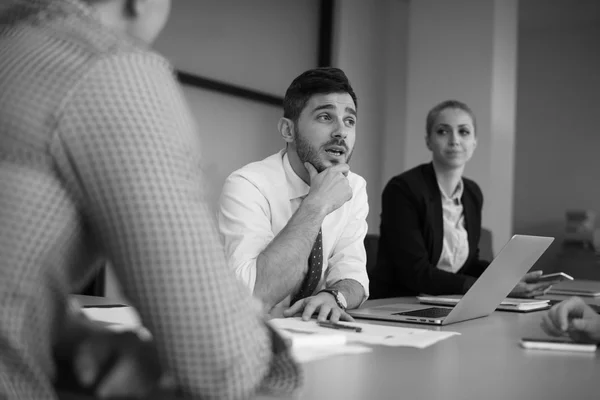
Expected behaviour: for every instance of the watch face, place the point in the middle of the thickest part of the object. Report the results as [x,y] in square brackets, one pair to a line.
[341,300]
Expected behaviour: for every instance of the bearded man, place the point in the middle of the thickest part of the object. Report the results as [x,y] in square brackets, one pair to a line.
[293,224]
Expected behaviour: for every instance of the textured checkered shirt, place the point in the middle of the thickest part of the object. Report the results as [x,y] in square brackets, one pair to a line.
[99,158]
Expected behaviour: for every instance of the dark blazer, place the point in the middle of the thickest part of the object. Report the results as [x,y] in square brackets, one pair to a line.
[412,233]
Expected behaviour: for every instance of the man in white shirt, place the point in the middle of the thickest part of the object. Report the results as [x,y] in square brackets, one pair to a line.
[293,224]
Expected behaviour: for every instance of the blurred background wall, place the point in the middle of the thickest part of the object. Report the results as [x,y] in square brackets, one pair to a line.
[528,68]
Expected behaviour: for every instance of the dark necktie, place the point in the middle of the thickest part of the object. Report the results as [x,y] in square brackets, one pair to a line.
[315,269]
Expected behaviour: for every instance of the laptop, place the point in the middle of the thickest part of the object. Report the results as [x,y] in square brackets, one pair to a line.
[508,304]
[577,287]
[497,281]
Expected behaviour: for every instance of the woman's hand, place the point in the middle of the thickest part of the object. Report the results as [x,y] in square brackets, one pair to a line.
[530,287]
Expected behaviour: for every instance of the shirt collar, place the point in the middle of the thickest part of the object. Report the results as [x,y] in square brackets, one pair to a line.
[457,193]
[296,186]
[62,5]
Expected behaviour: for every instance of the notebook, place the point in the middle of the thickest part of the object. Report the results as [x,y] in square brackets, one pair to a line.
[500,277]
[577,287]
[508,304]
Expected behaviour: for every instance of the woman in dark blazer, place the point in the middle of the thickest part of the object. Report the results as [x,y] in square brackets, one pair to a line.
[431,218]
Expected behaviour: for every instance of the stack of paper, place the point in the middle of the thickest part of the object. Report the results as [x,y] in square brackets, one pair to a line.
[523,304]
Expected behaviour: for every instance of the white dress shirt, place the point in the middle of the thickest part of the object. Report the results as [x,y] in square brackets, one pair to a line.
[455,247]
[258,201]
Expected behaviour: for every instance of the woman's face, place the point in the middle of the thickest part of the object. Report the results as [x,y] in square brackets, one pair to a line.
[452,139]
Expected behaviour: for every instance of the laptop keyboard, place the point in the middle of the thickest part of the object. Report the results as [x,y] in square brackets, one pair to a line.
[431,312]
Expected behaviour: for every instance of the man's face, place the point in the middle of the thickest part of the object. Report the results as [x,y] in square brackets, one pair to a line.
[326,130]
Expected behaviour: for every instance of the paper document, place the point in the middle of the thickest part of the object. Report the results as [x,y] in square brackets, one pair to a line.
[118,319]
[312,339]
[371,333]
[309,346]
[124,316]
[311,353]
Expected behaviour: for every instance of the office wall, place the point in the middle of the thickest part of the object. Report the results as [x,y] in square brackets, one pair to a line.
[393,141]
[558,60]
[261,44]
[369,45]
[558,143]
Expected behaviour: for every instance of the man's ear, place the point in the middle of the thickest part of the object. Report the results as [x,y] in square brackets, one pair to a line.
[286,129]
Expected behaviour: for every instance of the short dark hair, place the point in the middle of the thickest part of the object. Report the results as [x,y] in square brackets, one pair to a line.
[322,80]
[434,113]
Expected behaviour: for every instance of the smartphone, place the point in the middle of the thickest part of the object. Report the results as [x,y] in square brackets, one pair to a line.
[557,344]
[556,277]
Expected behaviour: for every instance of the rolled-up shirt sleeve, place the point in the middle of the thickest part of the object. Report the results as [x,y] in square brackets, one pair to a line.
[245,226]
[349,258]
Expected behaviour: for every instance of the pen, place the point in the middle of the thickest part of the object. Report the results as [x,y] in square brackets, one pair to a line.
[337,325]
[104,306]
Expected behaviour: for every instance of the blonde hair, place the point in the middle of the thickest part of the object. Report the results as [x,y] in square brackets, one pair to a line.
[434,113]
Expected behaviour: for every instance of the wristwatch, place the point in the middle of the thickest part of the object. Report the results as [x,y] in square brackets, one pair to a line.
[340,299]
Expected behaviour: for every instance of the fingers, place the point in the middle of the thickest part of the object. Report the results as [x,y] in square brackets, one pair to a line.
[549,327]
[531,277]
[340,168]
[541,286]
[535,289]
[574,318]
[337,168]
[312,171]
[296,308]
[324,311]
[553,316]
[135,372]
[346,317]
[90,359]
[568,309]
[538,291]
[117,364]
[546,290]
[122,381]
[309,309]
[579,324]
[310,305]
[336,313]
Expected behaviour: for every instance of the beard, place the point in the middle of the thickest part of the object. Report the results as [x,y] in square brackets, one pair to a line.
[309,153]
